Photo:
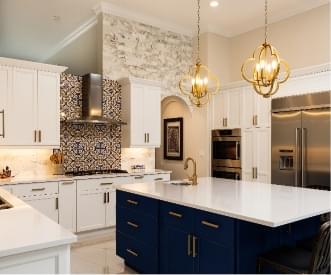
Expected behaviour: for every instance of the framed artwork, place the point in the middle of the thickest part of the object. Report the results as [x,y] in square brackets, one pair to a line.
[173,138]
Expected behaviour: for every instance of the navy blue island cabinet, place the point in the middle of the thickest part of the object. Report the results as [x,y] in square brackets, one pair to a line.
[160,237]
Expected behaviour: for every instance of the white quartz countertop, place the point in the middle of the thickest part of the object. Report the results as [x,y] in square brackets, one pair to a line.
[23,229]
[266,204]
[35,178]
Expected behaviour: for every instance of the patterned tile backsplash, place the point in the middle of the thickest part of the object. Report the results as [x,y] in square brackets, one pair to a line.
[89,146]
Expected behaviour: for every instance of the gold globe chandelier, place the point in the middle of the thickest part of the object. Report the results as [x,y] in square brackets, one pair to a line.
[199,84]
[265,66]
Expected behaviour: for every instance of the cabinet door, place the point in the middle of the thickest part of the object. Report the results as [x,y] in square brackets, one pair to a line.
[248,154]
[22,108]
[111,209]
[262,111]
[233,109]
[5,89]
[248,107]
[214,258]
[91,210]
[152,115]
[262,151]
[48,109]
[175,257]
[67,205]
[47,206]
[218,110]
[137,132]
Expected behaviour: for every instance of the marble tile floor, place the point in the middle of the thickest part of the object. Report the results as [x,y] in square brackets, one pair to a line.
[97,256]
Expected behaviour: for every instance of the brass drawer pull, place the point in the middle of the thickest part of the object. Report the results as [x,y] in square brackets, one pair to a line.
[133,224]
[209,224]
[174,214]
[106,183]
[189,245]
[39,135]
[132,202]
[138,177]
[158,179]
[38,189]
[132,252]
[194,253]
[67,182]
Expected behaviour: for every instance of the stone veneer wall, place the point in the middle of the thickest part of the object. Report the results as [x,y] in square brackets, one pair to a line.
[89,146]
[133,49]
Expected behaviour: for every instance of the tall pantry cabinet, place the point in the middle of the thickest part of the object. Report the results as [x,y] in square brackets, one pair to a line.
[29,104]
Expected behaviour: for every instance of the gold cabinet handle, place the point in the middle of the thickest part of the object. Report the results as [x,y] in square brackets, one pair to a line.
[147,137]
[38,189]
[158,179]
[209,224]
[256,120]
[132,224]
[106,183]
[174,214]
[67,182]
[189,245]
[132,252]
[39,135]
[3,123]
[256,173]
[56,203]
[35,135]
[139,177]
[132,202]
[194,246]
[226,122]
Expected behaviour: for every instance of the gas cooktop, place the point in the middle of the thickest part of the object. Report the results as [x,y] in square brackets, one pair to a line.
[96,172]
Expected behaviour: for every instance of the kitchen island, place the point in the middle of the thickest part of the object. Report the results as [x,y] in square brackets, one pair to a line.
[30,242]
[218,226]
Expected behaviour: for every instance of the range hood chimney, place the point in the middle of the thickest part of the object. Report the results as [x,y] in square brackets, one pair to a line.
[92,102]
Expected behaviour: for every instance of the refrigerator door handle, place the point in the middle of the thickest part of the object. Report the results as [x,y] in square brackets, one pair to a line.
[297,162]
[303,156]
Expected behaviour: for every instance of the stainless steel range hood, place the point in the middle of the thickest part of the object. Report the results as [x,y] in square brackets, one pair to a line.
[92,99]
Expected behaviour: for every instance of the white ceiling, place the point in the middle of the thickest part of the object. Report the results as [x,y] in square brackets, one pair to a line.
[28,31]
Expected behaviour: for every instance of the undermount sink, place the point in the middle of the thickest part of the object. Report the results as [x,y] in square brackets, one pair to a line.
[180,182]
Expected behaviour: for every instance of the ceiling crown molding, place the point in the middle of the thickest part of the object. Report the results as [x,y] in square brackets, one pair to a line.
[108,8]
[70,38]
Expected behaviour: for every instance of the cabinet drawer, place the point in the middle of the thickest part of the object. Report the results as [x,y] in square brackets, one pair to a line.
[137,203]
[177,215]
[151,178]
[101,183]
[216,228]
[141,257]
[35,190]
[136,225]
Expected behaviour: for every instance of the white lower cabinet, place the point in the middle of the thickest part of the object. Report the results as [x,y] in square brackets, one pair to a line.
[41,196]
[67,204]
[96,202]
[256,151]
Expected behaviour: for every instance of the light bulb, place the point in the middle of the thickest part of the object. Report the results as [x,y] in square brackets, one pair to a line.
[274,64]
[258,67]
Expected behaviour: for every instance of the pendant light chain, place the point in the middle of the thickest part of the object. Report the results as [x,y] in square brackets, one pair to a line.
[266,21]
[198,54]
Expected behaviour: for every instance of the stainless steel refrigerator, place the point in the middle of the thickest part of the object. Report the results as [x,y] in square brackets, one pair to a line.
[301,141]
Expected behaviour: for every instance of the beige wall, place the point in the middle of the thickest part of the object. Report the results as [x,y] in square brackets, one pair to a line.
[303,40]
[196,138]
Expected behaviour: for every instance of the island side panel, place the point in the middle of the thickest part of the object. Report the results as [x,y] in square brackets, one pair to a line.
[253,240]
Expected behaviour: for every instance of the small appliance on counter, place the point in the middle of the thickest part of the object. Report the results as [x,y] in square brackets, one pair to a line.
[226,161]
[6,173]
[138,168]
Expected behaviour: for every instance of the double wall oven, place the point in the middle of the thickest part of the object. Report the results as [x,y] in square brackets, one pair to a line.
[226,162]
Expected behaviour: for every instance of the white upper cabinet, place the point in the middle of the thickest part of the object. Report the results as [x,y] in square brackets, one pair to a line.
[256,109]
[29,104]
[48,109]
[5,88]
[141,110]
[227,109]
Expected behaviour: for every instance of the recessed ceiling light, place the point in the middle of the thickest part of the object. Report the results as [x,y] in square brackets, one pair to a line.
[56,17]
[213,4]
